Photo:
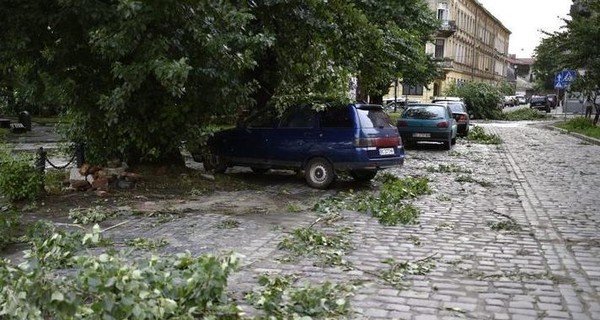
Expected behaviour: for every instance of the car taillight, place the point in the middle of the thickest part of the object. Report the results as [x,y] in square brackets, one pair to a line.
[442,124]
[402,123]
[462,118]
[378,142]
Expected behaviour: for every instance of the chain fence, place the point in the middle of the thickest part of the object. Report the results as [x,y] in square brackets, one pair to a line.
[42,158]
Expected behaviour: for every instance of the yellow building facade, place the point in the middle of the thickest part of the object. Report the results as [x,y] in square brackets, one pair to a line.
[471,44]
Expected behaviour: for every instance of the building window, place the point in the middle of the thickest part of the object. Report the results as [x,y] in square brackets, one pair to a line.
[442,12]
[412,90]
[439,48]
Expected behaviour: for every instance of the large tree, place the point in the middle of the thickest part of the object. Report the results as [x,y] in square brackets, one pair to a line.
[574,47]
[318,45]
[549,59]
[137,77]
[583,32]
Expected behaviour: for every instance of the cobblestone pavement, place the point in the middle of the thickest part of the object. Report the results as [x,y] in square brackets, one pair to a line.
[545,265]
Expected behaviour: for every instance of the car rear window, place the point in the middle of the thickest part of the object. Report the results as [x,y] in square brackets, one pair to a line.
[336,118]
[456,107]
[425,112]
[536,99]
[373,117]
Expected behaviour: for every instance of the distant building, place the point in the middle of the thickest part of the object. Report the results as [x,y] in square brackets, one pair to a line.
[471,44]
[521,74]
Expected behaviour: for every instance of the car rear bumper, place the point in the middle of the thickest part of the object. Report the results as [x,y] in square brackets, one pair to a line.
[433,136]
[372,164]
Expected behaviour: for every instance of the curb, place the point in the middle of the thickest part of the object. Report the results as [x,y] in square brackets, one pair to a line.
[575,134]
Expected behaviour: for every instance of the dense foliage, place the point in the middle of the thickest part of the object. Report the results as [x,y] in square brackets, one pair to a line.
[135,78]
[19,179]
[113,285]
[573,48]
[482,99]
[8,226]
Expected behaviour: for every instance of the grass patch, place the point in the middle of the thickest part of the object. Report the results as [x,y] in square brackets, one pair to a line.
[394,116]
[582,126]
[147,244]
[478,135]
[505,225]
[228,224]
[470,179]
[53,181]
[525,114]
[294,207]
[3,134]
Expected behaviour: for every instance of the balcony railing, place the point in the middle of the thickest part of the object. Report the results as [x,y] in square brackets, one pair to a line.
[446,64]
[447,28]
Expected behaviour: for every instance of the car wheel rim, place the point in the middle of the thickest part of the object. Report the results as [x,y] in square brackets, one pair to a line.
[319,174]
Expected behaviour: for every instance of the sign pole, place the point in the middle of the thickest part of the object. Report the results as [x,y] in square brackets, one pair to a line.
[565,105]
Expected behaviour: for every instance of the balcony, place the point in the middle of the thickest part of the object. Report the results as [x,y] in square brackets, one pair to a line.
[446,64]
[447,28]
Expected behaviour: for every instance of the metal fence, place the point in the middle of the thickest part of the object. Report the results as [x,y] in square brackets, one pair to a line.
[42,158]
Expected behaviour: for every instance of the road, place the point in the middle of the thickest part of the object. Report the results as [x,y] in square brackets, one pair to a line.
[540,183]
[544,263]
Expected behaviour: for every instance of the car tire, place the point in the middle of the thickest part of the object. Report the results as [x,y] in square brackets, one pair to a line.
[258,170]
[214,163]
[319,173]
[453,141]
[448,144]
[362,175]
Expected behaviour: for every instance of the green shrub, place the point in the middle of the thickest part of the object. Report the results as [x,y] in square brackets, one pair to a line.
[19,179]
[3,133]
[8,227]
[482,99]
[53,181]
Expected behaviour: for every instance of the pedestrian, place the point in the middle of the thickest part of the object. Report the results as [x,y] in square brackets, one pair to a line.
[597,116]
[587,102]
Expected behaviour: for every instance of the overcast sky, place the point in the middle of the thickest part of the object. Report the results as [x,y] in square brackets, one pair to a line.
[524,18]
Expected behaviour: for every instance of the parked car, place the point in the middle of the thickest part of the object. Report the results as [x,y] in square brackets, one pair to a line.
[438,99]
[552,100]
[460,114]
[510,101]
[540,103]
[320,140]
[428,122]
[394,106]
[521,99]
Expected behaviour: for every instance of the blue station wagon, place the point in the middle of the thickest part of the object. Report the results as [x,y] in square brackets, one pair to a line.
[317,139]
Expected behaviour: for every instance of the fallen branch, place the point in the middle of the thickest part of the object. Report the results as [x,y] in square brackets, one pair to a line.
[115,226]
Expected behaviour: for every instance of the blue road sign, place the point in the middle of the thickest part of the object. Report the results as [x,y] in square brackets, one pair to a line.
[564,78]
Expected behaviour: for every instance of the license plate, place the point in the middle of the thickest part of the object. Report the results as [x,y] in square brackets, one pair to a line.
[421,135]
[386,151]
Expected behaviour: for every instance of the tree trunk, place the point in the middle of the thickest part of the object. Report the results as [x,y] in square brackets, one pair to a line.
[265,74]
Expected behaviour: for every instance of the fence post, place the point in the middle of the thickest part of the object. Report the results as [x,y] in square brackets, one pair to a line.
[40,165]
[40,161]
[79,154]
